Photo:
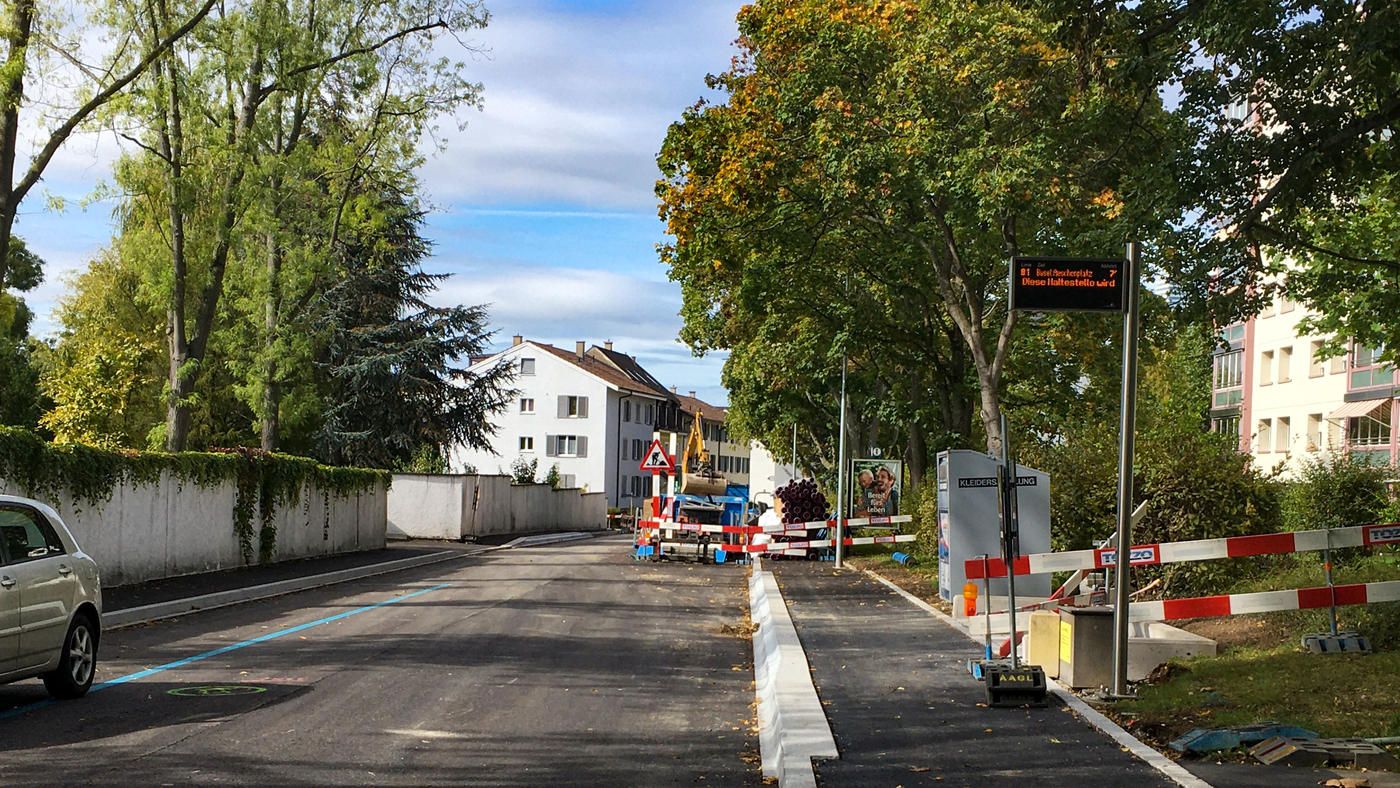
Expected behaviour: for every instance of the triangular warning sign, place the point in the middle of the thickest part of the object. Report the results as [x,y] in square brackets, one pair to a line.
[657,459]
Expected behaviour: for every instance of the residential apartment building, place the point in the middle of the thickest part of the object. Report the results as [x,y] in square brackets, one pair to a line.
[1274,391]
[590,411]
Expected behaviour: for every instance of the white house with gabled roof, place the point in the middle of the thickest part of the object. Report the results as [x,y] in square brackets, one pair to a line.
[591,411]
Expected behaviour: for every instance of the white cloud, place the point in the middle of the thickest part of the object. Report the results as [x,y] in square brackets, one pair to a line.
[577,103]
[562,306]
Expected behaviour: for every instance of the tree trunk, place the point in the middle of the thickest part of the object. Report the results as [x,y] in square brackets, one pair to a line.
[917,456]
[17,39]
[272,388]
[172,149]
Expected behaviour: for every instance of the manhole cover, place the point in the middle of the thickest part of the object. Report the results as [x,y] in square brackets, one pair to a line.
[216,690]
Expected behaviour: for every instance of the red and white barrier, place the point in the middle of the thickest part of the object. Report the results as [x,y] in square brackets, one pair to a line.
[1265,601]
[854,522]
[803,546]
[1195,550]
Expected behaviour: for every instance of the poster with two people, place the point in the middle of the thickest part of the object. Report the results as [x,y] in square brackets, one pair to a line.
[877,489]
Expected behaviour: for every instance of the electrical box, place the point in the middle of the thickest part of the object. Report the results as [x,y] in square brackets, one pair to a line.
[969,525]
[1086,647]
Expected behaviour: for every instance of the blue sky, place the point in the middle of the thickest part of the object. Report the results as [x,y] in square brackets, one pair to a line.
[544,204]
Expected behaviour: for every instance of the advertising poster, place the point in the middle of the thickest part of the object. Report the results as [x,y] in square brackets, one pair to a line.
[877,487]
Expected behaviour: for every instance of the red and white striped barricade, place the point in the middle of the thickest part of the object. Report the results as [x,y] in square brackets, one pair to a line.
[1195,550]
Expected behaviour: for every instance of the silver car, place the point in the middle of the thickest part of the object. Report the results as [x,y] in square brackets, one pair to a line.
[50,601]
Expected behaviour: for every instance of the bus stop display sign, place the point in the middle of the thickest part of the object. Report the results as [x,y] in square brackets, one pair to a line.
[1060,284]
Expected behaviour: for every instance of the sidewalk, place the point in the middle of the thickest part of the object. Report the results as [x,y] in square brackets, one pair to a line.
[905,711]
[900,701]
[186,586]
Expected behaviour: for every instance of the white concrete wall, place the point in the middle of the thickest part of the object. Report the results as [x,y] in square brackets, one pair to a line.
[766,474]
[461,506]
[175,528]
[1297,398]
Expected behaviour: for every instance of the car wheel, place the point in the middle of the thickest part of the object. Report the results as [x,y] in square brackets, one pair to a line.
[78,663]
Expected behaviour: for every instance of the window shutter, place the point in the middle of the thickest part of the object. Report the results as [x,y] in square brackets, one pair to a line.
[583,445]
[563,406]
[583,407]
[551,446]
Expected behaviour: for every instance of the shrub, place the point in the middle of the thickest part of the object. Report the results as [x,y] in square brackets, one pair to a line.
[1336,490]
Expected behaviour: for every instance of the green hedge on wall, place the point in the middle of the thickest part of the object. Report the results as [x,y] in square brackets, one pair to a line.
[264,481]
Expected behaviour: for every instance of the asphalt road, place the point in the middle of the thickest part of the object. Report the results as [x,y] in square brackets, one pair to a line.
[565,665]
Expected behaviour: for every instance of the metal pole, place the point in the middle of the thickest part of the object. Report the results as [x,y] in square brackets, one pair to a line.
[1012,526]
[1331,589]
[794,451]
[1122,559]
[841,472]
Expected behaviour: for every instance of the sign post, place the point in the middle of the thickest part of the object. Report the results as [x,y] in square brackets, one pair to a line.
[657,461]
[1127,421]
[1059,284]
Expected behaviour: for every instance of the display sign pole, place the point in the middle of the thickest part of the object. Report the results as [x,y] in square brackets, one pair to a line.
[841,479]
[1126,424]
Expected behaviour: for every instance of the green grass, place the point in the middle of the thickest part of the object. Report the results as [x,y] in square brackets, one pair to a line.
[1335,695]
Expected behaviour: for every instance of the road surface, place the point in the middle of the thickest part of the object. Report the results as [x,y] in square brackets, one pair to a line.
[565,665]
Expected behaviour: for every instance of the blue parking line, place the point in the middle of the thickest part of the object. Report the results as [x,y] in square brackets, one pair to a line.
[141,674]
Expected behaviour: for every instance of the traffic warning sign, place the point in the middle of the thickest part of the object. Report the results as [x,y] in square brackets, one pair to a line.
[657,459]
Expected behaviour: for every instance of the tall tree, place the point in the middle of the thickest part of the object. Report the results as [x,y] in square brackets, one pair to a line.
[387,344]
[902,150]
[20,400]
[207,105]
[33,33]
[1295,107]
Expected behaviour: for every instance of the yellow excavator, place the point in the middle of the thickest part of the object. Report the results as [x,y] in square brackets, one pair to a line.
[698,476]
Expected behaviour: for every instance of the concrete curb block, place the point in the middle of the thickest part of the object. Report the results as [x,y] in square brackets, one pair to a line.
[792,725]
[543,539]
[1166,766]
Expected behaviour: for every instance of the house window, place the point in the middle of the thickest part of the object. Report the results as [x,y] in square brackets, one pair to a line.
[627,410]
[567,481]
[637,448]
[1285,306]
[1234,333]
[1368,437]
[622,449]
[1285,364]
[651,415]
[527,443]
[1228,378]
[1266,367]
[572,407]
[1316,368]
[1264,437]
[1366,369]
[1337,365]
[567,446]
[527,405]
[527,366]
[1282,434]
[1227,425]
[1315,439]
